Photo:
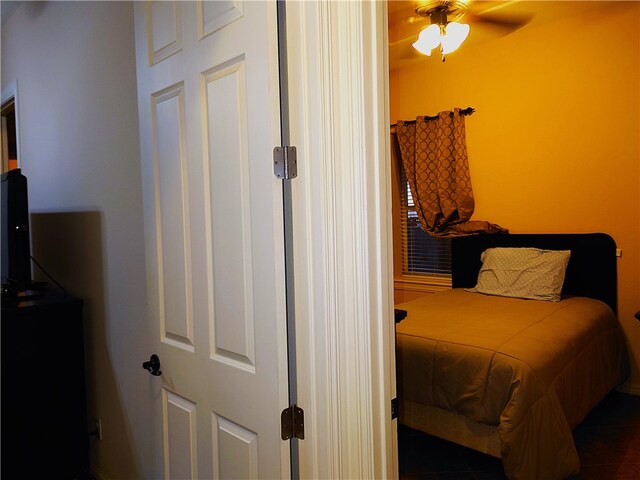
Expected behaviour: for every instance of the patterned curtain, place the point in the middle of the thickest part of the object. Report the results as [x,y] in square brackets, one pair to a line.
[434,157]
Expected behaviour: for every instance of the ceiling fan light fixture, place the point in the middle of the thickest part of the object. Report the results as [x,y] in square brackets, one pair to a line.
[456,33]
[428,39]
[450,37]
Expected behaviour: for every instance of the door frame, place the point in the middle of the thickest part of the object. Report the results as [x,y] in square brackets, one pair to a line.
[10,93]
[339,108]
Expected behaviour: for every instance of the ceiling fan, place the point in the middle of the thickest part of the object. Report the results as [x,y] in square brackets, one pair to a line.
[436,24]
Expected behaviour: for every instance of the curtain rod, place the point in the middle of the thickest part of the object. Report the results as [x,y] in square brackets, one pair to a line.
[464,112]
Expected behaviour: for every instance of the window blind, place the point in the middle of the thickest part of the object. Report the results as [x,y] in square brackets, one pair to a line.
[422,254]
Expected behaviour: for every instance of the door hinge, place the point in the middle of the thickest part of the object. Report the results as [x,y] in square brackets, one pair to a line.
[285,162]
[292,423]
[394,408]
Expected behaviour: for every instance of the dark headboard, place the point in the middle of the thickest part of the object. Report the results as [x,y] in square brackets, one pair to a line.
[592,266]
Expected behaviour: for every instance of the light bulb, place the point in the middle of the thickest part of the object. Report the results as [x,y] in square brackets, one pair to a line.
[428,39]
[456,33]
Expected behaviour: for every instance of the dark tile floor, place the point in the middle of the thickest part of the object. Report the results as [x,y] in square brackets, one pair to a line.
[608,442]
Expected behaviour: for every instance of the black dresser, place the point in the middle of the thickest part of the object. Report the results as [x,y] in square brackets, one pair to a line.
[44,414]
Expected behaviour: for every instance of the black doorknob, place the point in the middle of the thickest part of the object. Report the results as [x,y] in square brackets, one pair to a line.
[153,365]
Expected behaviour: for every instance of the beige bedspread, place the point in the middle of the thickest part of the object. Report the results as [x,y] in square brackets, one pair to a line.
[534,369]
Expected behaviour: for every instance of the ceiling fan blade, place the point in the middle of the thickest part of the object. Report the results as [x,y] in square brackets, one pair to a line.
[500,20]
[415,19]
[403,50]
[403,53]
[486,7]
[503,22]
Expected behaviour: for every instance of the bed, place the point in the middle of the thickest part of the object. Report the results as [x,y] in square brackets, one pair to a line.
[508,376]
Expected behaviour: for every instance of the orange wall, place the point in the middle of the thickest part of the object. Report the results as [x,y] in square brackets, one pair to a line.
[554,145]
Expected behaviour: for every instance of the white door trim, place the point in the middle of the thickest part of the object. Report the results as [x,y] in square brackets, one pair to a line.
[343,245]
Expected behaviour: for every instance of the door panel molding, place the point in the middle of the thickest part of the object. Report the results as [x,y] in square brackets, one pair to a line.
[164,30]
[233,442]
[179,422]
[226,164]
[213,16]
[172,216]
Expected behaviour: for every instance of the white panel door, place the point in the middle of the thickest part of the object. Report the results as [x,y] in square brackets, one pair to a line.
[209,119]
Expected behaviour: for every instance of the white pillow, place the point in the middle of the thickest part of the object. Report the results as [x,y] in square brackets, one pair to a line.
[523,273]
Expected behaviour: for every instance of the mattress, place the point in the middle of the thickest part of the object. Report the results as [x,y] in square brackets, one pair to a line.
[531,369]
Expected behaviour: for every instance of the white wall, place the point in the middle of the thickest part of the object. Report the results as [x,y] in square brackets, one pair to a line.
[74,65]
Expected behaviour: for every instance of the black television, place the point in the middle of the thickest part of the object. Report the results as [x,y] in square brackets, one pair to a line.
[16,251]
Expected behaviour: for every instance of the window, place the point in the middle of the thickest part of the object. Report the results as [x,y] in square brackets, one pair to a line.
[422,254]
